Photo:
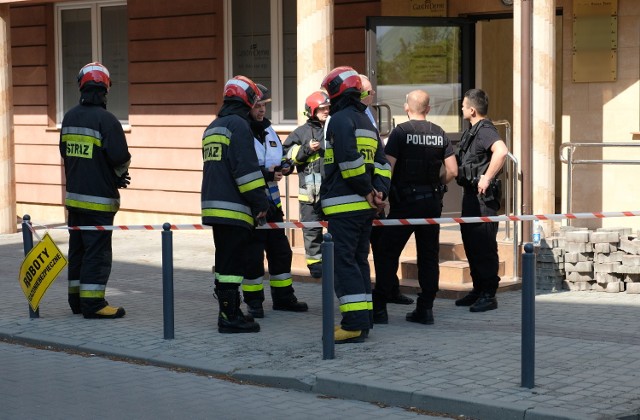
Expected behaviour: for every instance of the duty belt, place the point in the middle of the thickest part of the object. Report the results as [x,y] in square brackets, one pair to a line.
[417,192]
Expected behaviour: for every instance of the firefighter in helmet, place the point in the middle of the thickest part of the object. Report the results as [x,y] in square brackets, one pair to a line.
[233,198]
[305,146]
[96,162]
[355,184]
[272,242]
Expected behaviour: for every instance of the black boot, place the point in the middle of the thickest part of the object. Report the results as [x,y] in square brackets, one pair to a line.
[486,302]
[231,319]
[469,299]
[380,315]
[315,270]
[254,303]
[423,314]
[285,300]
[74,303]
[399,299]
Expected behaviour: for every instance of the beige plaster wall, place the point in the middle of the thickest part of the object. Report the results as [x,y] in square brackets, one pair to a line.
[604,112]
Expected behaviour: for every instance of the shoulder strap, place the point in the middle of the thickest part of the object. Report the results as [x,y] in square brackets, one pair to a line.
[468,137]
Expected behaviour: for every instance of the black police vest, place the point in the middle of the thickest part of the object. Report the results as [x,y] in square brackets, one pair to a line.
[421,151]
[472,162]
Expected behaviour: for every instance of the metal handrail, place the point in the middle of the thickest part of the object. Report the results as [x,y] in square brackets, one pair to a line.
[570,161]
[512,175]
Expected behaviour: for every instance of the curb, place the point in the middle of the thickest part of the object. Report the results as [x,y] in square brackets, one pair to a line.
[335,386]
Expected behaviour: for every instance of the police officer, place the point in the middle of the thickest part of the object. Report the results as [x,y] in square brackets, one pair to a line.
[96,161]
[233,197]
[481,157]
[273,242]
[305,146]
[416,150]
[355,183]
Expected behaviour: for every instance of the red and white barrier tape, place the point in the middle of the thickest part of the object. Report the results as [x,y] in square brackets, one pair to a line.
[385,222]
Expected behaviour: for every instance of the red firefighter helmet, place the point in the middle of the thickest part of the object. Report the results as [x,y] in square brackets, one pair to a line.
[95,73]
[315,101]
[243,89]
[340,79]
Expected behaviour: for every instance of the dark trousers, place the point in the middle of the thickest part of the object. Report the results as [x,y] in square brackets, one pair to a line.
[231,244]
[352,277]
[312,236]
[90,258]
[480,243]
[273,243]
[392,240]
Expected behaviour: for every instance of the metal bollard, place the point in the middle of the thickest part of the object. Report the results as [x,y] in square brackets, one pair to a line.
[27,240]
[328,343]
[528,317]
[167,281]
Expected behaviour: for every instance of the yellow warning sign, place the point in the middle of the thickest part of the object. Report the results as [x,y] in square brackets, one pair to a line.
[39,269]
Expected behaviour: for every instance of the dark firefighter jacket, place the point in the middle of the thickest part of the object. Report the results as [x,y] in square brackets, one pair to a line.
[95,153]
[354,160]
[233,187]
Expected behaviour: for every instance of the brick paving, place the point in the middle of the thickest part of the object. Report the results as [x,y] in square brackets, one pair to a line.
[587,343]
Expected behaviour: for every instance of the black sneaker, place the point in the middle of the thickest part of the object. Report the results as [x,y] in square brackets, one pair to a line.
[292,305]
[400,299]
[484,303]
[380,317]
[424,316]
[469,299]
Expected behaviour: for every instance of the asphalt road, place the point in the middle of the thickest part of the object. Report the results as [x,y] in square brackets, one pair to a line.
[44,383]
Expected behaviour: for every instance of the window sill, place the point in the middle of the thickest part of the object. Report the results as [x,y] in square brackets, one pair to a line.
[125,127]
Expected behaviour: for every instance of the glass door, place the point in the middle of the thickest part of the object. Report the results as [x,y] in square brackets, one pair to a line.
[433,54]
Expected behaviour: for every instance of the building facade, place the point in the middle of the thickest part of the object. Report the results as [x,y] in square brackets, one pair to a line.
[170,59]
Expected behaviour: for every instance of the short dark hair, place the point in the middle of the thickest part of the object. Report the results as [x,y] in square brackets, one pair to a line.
[478,99]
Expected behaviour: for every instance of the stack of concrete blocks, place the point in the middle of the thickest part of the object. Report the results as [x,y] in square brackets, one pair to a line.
[550,272]
[630,267]
[605,260]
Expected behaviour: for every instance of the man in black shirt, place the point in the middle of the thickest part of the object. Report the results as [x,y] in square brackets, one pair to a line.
[481,157]
[416,150]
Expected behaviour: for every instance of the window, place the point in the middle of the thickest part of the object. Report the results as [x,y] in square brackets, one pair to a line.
[86,32]
[263,48]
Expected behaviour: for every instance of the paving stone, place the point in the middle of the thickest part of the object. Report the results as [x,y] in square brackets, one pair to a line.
[481,352]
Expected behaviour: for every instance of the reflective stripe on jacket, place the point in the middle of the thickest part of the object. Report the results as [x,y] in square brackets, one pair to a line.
[95,152]
[308,163]
[354,163]
[232,185]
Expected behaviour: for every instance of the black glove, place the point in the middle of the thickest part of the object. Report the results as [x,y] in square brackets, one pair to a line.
[124,180]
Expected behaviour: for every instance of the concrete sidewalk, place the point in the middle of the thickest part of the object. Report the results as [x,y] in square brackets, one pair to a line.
[587,343]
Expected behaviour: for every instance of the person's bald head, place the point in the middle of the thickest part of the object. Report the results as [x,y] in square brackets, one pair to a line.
[417,103]
[367,90]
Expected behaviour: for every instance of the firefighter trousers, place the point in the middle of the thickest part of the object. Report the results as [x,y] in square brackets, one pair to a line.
[312,236]
[231,243]
[275,244]
[352,277]
[90,258]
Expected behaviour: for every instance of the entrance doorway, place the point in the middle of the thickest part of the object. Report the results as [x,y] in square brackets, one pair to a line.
[445,57]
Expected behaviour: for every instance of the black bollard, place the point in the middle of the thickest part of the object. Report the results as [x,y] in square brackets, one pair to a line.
[27,240]
[167,281]
[528,317]
[328,337]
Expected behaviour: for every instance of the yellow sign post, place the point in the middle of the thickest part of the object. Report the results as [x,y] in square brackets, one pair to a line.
[39,269]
